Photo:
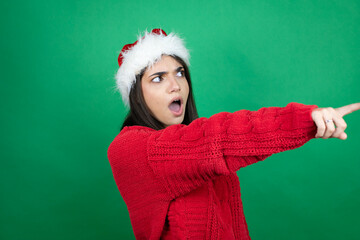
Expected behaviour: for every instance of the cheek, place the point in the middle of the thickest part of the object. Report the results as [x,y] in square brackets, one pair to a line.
[152,100]
[146,92]
[186,88]
[146,95]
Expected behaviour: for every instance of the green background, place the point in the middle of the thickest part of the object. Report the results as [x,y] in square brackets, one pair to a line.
[60,110]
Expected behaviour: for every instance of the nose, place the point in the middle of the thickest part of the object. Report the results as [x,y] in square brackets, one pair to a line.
[174,85]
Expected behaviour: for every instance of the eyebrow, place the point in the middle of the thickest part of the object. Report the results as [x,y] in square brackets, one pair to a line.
[162,73]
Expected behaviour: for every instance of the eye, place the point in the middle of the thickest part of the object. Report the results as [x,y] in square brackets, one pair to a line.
[156,79]
[180,73]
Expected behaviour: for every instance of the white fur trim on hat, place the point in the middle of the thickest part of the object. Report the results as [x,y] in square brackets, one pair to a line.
[147,51]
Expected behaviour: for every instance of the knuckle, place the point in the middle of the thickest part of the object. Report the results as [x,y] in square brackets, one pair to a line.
[342,126]
[336,113]
[321,129]
[336,134]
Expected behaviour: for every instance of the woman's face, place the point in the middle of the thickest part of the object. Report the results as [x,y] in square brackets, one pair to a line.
[165,90]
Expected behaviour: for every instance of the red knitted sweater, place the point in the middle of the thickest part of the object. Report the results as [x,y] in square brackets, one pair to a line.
[180,182]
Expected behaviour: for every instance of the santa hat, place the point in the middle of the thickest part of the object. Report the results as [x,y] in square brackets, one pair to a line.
[143,53]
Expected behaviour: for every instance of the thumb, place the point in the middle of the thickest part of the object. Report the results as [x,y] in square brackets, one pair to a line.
[343,136]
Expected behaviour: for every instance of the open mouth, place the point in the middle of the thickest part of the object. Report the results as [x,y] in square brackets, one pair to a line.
[176,106]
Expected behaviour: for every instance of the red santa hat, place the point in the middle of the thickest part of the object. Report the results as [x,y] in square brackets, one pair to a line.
[143,53]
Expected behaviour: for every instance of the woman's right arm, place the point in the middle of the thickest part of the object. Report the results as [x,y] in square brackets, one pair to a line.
[185,157]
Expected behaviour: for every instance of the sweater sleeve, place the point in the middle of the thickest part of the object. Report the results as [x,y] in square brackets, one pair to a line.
[184,157]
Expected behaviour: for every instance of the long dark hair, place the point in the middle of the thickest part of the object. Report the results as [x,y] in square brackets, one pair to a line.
[139,113]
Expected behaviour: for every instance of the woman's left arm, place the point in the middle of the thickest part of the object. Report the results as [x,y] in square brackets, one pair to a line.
[327,118]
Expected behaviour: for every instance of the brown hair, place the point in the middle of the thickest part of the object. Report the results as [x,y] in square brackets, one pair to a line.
[139,113]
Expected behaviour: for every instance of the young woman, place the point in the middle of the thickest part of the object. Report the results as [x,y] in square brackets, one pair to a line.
[177,172]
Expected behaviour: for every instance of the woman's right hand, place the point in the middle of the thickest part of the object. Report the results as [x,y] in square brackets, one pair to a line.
[330,122]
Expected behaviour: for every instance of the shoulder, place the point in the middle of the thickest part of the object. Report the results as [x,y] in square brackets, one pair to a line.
[130,134]
[130,139]
[135,130]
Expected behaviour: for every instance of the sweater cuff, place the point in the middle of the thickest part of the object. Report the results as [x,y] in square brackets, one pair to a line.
[300,120]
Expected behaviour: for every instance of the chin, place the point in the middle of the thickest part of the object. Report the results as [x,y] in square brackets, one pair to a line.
[174,122]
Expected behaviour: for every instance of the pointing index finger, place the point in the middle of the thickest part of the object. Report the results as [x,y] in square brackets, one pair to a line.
[348,109]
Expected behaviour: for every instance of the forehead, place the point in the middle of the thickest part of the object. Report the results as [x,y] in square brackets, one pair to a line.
[166,63]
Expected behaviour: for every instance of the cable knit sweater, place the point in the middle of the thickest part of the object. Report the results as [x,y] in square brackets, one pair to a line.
[180,182]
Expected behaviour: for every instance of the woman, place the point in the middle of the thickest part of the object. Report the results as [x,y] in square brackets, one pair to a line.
[177,172]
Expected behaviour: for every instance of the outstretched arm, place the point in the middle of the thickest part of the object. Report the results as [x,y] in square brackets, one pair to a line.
[184,157]
[327,118]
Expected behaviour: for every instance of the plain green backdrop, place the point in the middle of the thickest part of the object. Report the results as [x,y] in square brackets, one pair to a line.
[60,110]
